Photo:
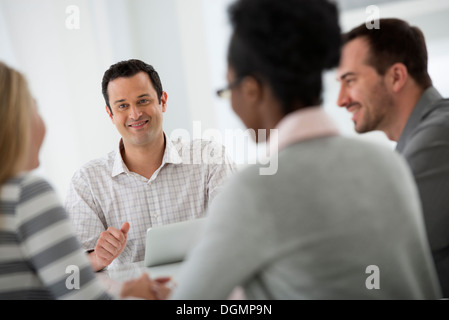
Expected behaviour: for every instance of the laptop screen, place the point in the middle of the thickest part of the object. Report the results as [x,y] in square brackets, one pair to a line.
[171,243]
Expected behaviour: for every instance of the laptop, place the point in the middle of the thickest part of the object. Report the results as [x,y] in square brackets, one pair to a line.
[170,243]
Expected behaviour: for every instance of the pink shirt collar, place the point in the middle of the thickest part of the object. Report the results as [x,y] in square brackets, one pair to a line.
[305,124]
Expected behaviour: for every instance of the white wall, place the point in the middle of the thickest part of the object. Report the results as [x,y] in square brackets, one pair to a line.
[185,40]
[65,68]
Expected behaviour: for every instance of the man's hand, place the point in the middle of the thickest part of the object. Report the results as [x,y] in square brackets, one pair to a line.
[109,246]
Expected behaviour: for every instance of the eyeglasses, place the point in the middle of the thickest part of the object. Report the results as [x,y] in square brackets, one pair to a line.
[225,93]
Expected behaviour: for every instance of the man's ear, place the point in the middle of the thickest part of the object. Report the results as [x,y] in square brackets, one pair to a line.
[164,98]
[109,111]
[397,76]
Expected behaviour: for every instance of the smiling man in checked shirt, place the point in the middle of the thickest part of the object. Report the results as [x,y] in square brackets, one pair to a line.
[149,180]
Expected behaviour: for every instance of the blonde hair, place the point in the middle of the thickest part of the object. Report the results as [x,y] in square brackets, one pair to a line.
[15,107]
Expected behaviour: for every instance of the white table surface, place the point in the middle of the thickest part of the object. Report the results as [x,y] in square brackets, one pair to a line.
[113,278]
[134,270]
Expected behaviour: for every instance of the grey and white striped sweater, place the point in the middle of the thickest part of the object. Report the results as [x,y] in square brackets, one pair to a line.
[40,256]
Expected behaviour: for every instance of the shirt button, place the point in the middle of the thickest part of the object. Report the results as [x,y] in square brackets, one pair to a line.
[155,216]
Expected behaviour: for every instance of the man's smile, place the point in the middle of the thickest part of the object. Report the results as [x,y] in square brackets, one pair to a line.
[138,125]
[353,108]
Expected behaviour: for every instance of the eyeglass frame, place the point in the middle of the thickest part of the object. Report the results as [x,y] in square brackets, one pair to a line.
[225,93]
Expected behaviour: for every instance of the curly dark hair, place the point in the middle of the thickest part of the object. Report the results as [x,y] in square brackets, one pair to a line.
[128,69]
[287,44]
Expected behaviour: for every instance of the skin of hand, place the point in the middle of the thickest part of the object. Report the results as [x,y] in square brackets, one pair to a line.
[163,288]
[109,246]
[145,288]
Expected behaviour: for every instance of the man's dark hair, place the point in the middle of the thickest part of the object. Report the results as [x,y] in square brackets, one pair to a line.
[286,43]
[395,41]
[128,69]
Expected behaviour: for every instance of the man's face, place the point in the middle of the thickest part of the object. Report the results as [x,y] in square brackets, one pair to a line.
[362,90]
[136,111]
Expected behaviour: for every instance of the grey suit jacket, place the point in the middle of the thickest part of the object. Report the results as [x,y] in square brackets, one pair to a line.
[425,145]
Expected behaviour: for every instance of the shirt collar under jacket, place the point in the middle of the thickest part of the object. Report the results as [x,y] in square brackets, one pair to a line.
[171,155]
[305,124]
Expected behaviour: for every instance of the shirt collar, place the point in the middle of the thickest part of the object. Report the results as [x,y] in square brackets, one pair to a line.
[305,124]
[119,166]
[171,155]
[421,109]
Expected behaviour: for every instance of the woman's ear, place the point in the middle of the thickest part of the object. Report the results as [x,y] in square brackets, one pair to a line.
[251,89]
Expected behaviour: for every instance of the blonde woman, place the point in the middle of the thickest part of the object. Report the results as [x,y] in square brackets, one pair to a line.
[38,249]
